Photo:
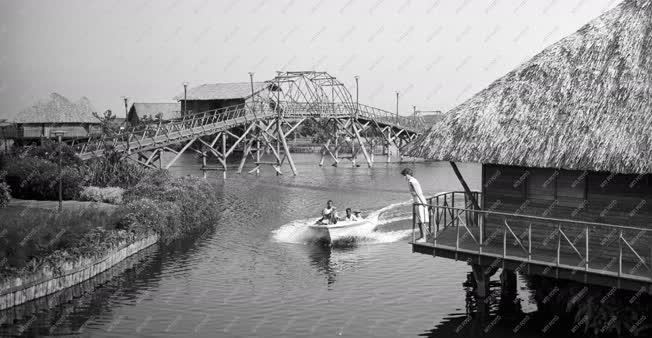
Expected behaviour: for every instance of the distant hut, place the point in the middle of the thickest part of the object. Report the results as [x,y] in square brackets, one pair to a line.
[55,112]
[141,110]
[219,95]
[567,134]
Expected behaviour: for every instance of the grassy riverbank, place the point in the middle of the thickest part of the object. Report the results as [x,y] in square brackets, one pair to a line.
[33,236]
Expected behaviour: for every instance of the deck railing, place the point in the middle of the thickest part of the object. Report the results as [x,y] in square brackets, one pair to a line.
[607,249]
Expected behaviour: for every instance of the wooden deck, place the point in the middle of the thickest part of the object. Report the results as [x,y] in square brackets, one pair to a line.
[556,248]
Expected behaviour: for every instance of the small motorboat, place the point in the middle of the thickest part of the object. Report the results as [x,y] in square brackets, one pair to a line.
[341,229]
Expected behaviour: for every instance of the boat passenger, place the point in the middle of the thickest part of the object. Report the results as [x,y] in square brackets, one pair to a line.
[329,214]
[350,216]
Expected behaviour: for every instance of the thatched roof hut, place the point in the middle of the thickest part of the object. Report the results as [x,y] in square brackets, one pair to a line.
[222,91]
[584,103]
[212,96]
[57,109]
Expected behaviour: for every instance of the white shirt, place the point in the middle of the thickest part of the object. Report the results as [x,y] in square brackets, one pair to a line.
[352,218]
[327,211]
[415,190]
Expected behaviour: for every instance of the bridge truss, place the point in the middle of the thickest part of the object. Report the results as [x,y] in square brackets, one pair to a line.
[263,124]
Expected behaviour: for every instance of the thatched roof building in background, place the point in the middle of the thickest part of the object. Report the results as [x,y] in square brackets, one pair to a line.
[56,109]
[212,96]
[54,113]
[584,103]
[222,91]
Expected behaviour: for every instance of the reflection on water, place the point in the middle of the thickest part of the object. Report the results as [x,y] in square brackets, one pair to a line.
[237,279]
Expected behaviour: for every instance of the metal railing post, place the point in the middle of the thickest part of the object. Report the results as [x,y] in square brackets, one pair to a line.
[586,249]
[434,241]
[620,253]
[437,214]
[445,212]
[454,219]
[529,242]
[505,239]
[414,221]
[558,244]
[457,239]
[481,241]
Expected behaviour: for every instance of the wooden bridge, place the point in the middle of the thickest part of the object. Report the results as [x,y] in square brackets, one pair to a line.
[263,124]
[596,253]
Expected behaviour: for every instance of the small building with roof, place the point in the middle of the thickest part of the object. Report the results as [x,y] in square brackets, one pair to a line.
[213,96]
[142,110]
[55,112]
[565,137]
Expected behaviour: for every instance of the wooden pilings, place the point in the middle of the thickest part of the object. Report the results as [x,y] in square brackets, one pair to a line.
[269,135]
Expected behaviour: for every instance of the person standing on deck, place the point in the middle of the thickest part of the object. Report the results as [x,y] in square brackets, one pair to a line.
[417,197]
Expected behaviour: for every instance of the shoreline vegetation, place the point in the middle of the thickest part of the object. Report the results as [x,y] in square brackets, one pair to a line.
[35,240]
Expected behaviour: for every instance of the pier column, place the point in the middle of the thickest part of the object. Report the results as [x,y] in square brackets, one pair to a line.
[257,156]
[337,151]
[482,275]
[224,154]
[508,291]
[203,162]
[389,154]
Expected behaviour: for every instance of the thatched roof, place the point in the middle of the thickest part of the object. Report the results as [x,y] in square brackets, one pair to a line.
[57,109]
[222,91]
[584,103]
[168,111]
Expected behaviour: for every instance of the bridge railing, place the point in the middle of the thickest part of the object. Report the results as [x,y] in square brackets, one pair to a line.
[148,133]
[607,249]
[390,118]
[329,109]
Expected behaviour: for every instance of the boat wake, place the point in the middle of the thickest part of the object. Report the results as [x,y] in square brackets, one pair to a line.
[298,231]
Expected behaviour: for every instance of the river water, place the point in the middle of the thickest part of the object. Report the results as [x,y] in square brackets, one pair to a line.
[253,274]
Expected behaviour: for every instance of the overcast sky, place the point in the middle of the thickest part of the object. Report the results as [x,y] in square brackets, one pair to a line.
[436,53]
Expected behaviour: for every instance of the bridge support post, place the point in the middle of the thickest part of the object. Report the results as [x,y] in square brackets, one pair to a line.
[286,149]
[508,291]
[324,150]
[354,154]
[203,162]
[257,155]
[245,153]
[364,151]
[224,154]
[388,153]
[337,151]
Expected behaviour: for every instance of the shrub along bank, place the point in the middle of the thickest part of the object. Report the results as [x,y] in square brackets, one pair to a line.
[150,201]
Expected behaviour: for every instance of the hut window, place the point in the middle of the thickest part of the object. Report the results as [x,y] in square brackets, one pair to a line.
[541,184]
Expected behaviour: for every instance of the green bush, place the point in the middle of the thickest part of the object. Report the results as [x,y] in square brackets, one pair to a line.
[110,171]
[5,190]
[36,178]
[49,150]
[111,195]
[170,206]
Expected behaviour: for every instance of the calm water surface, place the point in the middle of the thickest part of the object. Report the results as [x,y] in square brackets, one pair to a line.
[250,276]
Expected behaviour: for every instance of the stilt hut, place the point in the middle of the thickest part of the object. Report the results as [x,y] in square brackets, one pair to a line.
[55,112]
[566,137]
[213,96]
